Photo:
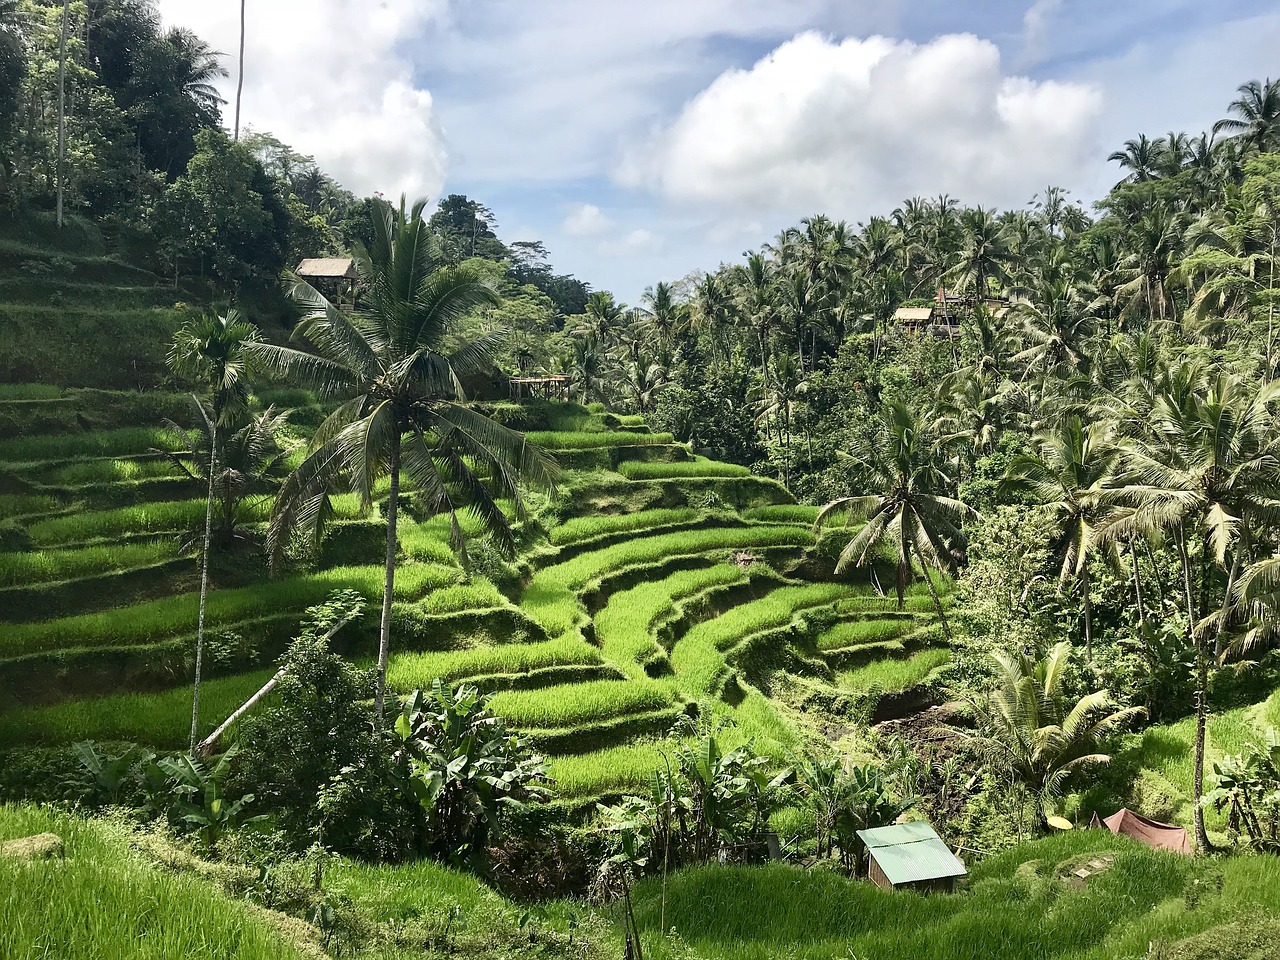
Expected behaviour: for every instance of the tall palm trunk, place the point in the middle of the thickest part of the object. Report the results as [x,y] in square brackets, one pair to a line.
[1086,585]
[937,601]
[62,105]
[204,583]
[240,73]
[389,587]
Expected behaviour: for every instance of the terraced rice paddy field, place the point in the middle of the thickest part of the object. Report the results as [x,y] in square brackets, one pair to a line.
[654,585]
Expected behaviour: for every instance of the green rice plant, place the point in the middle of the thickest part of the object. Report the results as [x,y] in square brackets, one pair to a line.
[29,391]
[624,628]
[579,529]
[159,720]
[416,671]
[113,470]
[699,657]
[700,467]
[476,595]
[110,904]
[164,517]
[21,505]
[423,541]
[853,633]
[550,597]
[48,566]
[783,513]
[101,443]
[623,769]
[631,419]
[894,676]
[176,615]
[571,704]
[572,440]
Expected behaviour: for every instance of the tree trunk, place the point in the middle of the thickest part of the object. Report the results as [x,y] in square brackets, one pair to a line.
[1137,585]
[204,581]
[240,74]
[62,105]
[1088,612]
[937,601]
[388,591]
[1203,845]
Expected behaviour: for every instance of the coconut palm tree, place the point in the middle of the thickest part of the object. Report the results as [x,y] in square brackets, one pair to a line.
[1028,725]
[213,351]
[910,512]
[394,369]
[1141,157]
[1256,120]
[984,254]
[1072,475]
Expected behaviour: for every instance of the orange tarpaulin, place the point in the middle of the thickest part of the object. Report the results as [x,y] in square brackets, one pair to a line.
[1161,836]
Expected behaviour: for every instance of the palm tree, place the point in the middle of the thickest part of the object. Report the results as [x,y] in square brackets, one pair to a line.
[394,367]
[1071,475]
[1208,464]
[1257,116]
[1141,157]
[196,66]
[911,512]
[240,73]
[213,351]
[984,254]
[1028,725]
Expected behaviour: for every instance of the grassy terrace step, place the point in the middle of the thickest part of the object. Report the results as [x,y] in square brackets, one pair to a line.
[602,734]
[871,628]
[104,591]
[892,675]
[568,440]
[701,658]
[81,446]
[74,411]
[647,523]
[149,519]
[160,720]
[782,513]
[701,467]
[551,596]
[574,704]
[49,566]
[410,671]
[625,627]
[26,505]
[174,616]
[608,770]
[591,528]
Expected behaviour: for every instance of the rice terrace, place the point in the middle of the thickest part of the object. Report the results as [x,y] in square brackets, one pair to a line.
[906,586]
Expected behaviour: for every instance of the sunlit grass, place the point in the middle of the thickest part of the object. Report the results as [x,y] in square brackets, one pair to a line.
[590,527]
[641,470]
[571,704]
[100,443]
[43,566]
[411,671]
[572,440]
[894,676]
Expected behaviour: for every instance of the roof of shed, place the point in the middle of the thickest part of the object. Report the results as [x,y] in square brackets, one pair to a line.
[327,267]
[911,852]
[913,313]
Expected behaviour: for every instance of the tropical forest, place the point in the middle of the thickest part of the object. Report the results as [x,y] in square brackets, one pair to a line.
[907,587]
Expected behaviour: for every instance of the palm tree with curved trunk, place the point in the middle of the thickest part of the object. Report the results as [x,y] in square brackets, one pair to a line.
[911,512]
[1256,116]
[1072,474]
[393,368]
[1029,724]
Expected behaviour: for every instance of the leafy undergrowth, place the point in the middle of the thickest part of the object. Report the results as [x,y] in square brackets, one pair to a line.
[1015,906]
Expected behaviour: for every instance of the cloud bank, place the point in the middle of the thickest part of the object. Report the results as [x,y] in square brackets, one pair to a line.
[333,79]
[857,125]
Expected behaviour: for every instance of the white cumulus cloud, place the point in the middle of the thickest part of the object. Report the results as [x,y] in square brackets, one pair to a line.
[634,242]
[585,220]
[333,79]
[855,126]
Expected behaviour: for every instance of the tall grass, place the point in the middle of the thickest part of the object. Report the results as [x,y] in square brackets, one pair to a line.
[176,615]
[590,527]
[103,902]
[783,513]
[624,628]
[570,704]
[477,595]
[572,440]
[699,657]
[29,391]
[623,769]
[411,671]
[160,720]
[550,598]
[45,566]
[854,633]
[642,470]
[1010,912]
[894,676]
[19,505]
[112,470]
[102,443]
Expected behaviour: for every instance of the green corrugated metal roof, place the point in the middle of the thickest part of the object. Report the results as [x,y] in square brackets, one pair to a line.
[911,852]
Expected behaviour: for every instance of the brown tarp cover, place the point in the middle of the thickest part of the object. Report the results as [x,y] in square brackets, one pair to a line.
[1162,836]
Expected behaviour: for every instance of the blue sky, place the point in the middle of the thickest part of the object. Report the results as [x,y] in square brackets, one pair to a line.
[644,141]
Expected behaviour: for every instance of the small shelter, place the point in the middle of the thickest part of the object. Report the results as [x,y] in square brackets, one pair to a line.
[1159,836]
[540,388]
[911,856]
[335,277]
[913,319]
